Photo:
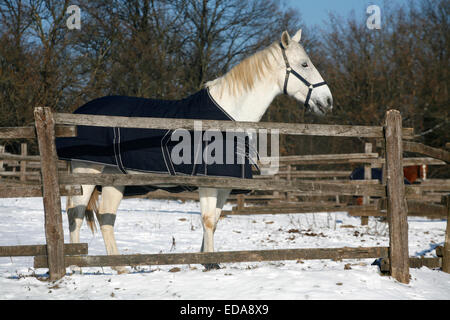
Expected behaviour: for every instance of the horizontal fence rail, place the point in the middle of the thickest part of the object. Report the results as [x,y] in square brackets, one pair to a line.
[188,124]
[30,132]
[300,209]
[17,190]
[316,187]
[410,162]
[367,158]
[219,257]
[415,208]
[41,250]
[436,153]
[18,157]
[322,159]
[314,173]
[219,182]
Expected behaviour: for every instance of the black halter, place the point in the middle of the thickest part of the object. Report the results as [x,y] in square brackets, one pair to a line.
[289,70]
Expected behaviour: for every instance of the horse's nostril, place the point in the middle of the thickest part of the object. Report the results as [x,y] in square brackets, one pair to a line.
[329,102]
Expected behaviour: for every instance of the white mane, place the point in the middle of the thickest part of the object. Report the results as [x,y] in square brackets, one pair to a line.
[242,77]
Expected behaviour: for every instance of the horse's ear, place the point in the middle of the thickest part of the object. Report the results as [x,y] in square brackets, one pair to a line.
[297,36]
[285,39]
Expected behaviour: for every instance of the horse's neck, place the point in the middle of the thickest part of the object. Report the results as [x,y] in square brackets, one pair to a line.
[249,105]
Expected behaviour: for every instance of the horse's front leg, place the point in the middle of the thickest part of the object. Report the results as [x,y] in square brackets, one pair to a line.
[211,203]
[111,197]
[208,200]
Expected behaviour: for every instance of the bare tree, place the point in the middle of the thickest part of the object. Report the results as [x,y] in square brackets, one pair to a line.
[219,33]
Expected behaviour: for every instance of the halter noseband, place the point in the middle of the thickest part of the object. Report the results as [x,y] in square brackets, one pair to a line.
[289,70]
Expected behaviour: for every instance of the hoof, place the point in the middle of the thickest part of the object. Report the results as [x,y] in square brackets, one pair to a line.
[212,266]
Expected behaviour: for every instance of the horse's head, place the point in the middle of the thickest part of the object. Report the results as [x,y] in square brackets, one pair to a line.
[300,77]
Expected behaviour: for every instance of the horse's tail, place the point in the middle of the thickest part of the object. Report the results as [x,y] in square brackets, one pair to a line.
[92,210]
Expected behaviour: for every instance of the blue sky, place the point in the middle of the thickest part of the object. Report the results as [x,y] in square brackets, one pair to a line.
[315,12]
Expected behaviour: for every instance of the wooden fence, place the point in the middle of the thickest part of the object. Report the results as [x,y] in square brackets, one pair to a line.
[54,183]
[424,199]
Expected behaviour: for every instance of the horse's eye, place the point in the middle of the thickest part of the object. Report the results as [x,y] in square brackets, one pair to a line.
[304,64]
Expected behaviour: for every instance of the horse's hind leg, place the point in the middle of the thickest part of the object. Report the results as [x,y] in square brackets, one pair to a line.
[76,205]
[76,211]
[111,197]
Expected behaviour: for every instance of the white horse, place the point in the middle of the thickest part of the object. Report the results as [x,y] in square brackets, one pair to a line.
[245,93]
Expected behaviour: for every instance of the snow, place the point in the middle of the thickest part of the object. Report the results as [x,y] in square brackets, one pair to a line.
[161,226]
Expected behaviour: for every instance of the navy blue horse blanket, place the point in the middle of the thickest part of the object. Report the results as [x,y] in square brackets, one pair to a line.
[149,150]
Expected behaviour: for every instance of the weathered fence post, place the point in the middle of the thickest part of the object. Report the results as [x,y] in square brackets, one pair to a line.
[23,163]
[446,253]
[288,178]
[397,210]
[276,193]
[45,132]
[240,202]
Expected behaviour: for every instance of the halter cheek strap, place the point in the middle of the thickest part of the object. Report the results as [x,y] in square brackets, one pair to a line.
[289,70]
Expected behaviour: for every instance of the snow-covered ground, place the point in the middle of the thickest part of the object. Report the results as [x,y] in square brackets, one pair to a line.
[151,226]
